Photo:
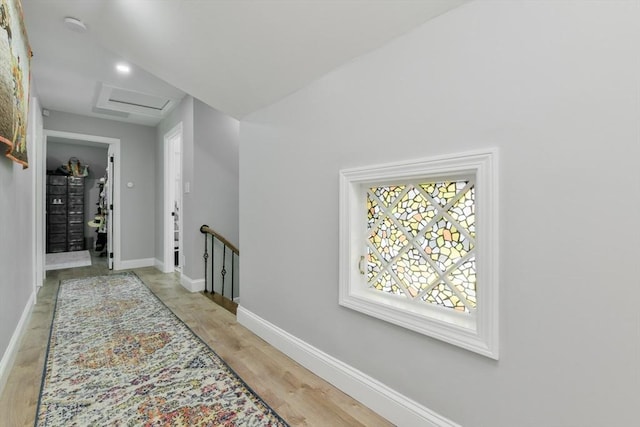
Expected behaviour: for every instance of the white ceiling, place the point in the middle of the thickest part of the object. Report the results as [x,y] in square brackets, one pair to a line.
[235,55]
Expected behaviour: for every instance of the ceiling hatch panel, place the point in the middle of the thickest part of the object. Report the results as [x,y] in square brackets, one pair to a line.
[132,102]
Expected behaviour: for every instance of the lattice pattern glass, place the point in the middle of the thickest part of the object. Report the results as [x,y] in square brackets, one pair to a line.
[421,242]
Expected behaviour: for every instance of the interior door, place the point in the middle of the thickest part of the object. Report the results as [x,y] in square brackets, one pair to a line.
[173,208]
[177,197]
[109,194]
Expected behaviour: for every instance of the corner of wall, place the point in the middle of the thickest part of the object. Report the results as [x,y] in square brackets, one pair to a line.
[192,285]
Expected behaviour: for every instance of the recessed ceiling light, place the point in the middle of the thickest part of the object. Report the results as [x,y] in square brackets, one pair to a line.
[75,24]
[123,68]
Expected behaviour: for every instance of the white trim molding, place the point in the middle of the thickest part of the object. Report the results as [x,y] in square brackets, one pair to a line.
[168,200]
[127,264]
[9,357]
[38,194]
[477,328]
[394,406]
[158,264]
[78,138]
[192,285]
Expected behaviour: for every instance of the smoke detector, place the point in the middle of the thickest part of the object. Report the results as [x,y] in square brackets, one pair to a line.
[75,25]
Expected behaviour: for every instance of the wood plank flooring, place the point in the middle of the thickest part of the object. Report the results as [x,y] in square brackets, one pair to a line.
[299,396]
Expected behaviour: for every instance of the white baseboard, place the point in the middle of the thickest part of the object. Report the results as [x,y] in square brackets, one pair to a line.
[159,265]
[387,402]
[190,284]
[9,357]
[127,264]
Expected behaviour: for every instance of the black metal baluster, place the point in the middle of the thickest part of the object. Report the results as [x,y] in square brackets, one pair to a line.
[206,257]
[224,270]
[213,243]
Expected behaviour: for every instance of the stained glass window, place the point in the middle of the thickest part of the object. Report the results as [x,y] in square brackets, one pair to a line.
[421,242]
[418,246]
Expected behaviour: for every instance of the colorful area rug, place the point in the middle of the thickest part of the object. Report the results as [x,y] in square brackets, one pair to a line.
[60,260]
[118,356]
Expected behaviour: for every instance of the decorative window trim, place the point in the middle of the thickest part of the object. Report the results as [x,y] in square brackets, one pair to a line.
[477,331]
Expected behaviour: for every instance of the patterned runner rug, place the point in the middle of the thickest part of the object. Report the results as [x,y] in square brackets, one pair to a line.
[118,356]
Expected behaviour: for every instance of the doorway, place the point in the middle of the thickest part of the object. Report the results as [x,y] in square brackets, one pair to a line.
[173,212]
[111,191]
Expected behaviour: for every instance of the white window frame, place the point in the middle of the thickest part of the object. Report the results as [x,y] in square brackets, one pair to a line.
[478,331]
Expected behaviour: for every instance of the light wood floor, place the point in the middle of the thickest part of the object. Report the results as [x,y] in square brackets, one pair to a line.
[300,397]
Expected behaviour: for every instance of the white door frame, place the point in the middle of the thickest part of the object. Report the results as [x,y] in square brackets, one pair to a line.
[110,190]
[78,138]
[168,265]
[38,195]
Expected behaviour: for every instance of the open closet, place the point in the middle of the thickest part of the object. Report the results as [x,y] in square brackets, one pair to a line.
[76,198]
[65,213]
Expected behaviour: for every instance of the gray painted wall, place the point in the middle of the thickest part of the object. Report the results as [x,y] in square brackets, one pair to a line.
[210,165]
[138,153]
[214,198]
[183,113]
[58,153]
[555,86]
[16,237]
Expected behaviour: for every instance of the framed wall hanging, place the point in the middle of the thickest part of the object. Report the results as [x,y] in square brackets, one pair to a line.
[15,57]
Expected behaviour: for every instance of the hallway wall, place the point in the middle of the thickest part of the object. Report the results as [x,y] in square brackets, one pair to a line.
[17,241]
[216,175]
[183,113]
[556,87]
[210,165]
[138,152]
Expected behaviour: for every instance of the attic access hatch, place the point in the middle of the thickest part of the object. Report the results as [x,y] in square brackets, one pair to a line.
[128,101]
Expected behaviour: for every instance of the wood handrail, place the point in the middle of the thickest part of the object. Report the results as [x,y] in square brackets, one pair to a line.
[227,243]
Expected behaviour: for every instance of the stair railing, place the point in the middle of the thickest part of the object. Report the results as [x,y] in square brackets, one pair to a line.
[217,240]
